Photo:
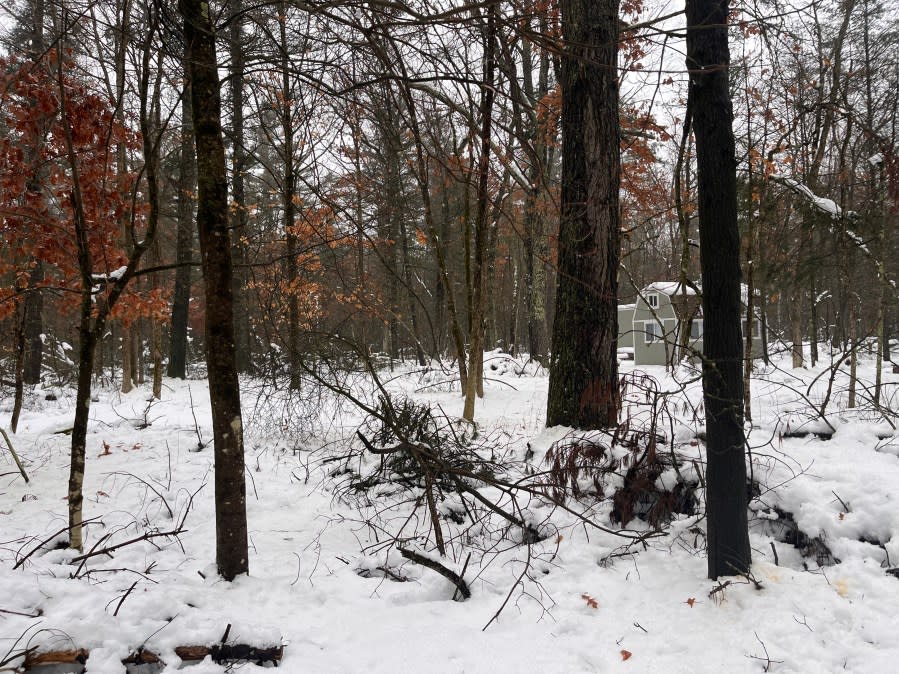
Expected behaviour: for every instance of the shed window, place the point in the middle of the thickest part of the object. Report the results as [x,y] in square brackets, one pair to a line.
[652,300]
[756,328]
[652,331]
[696,329]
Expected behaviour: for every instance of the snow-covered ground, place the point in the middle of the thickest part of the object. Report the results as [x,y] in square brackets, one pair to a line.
[581,600]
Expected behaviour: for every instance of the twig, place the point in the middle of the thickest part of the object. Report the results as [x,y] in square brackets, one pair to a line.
[464,569]
[774,550]
[842,502]
[803,622]
[767,659]
[511,590]
[124,597]
[14,455]
[200,443]
[27,615]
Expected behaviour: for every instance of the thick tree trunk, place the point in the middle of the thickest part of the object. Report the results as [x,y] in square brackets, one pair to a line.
[215,245]
[726,495]
[583,380]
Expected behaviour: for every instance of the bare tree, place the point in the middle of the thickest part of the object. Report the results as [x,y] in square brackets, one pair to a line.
[215,246]
[708,58]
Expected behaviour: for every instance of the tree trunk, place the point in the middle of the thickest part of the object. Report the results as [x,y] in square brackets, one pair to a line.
[795,319]
[475,384]
[410,295]
[288,195]
[34,327]
[215,245]
[238,191]
[122,33]
[187,183]
[19,382]
[86,345]
[534,226]
[583,379]
[708,58]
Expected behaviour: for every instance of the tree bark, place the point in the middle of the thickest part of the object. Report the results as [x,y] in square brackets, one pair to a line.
[187,183]
[288,195]
[215,246]
[240,214]
[129,331]
[21,317]
[34,326]
[474,385]
[583,380]
[708,58]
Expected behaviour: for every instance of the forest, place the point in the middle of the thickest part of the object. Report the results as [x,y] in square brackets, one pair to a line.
[530,329]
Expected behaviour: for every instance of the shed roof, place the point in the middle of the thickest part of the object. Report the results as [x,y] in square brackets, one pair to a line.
[669,288]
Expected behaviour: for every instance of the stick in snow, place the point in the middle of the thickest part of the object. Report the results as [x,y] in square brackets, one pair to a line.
[434,565]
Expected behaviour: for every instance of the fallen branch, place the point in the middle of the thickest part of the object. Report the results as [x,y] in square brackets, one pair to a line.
[112,548]
[15,456]
[434,565]
[44,542]
[219,653]
[172,533]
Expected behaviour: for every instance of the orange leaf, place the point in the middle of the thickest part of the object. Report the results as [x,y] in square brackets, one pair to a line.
[625,655]
[591,602]
[691,601]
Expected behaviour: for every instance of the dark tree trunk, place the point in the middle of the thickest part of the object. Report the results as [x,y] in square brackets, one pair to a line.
[187,183]
[33,326]
[477,304]
[707,61]
[583,380]
[238,191]
[288,195]
[19,397]
[215,247]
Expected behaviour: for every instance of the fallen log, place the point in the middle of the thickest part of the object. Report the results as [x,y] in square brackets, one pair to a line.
[218,653]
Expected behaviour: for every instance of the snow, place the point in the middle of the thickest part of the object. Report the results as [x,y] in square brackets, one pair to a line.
[114,275]
[317,583]
[669,288]
[823,204]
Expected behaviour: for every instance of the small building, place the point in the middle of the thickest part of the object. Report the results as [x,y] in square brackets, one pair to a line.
[650,328]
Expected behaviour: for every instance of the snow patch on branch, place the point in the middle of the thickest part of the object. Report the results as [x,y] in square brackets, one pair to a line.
[823,204]
[115,275]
